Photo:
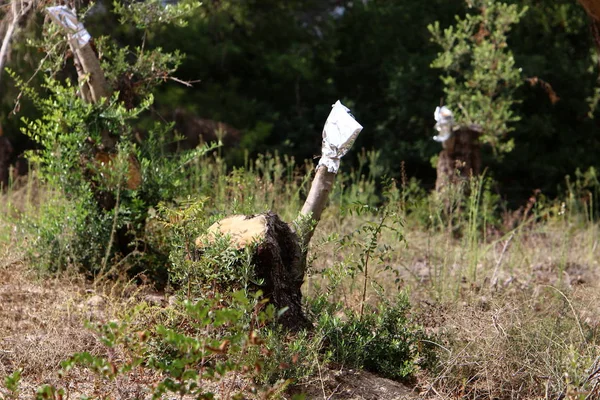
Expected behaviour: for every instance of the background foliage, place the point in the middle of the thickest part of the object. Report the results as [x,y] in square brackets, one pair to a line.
[273,68]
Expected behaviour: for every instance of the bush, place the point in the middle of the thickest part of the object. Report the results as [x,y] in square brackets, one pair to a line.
[103,194]
[383,341]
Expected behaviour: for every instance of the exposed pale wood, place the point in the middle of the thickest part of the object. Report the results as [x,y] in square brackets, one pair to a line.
[90,65]
[95,87]
[84,87]
[18,10]
[241,229]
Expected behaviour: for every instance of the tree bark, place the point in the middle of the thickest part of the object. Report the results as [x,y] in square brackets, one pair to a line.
[94,86]
[280,257]
[460,158]
[592,7]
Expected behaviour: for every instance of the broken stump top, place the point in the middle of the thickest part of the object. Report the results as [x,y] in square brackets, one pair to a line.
[242,229]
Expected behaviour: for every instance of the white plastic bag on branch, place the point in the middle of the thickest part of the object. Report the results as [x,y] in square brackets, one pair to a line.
[66,18]
[445,123]
[340,132]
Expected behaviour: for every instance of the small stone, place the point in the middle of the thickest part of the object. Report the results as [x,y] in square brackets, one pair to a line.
[95,301]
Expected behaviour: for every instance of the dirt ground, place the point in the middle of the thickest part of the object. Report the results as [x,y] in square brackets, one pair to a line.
[42,321]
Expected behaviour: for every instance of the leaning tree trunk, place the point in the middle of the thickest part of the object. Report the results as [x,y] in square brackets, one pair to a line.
[460,158]
[94,88]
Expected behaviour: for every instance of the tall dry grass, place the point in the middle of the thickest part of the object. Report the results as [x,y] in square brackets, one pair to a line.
[510,299]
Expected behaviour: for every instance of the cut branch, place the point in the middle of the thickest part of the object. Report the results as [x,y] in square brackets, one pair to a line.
[94,86]
[92,83]
[91,72]
[315,203]
[18,10]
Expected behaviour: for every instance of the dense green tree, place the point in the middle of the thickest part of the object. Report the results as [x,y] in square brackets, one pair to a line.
[555,135]
[259,65]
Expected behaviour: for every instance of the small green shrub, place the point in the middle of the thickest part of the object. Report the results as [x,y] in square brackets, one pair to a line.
[215,268]
[356,334]
[291,358]
[383,341]
[11,383]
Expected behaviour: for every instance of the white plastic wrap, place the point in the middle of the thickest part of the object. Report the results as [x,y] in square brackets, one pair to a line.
[339,133]
[445,123]
[65,17]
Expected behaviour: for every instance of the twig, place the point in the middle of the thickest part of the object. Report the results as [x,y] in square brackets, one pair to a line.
[431,387]
[437,344]
[321,378]
[117,265]
[185,83]
[37,70]
[364,292]
[499,262]
[335,391]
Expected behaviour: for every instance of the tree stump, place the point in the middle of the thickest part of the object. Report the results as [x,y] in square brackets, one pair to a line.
[280,256]
[278,260]
[460,158]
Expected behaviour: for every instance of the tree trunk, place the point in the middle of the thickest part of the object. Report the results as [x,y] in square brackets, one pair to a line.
[278,260]
[592,7]
[6,150]
[460,158]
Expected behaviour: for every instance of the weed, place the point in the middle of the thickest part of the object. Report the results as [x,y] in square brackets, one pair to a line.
[11,383]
